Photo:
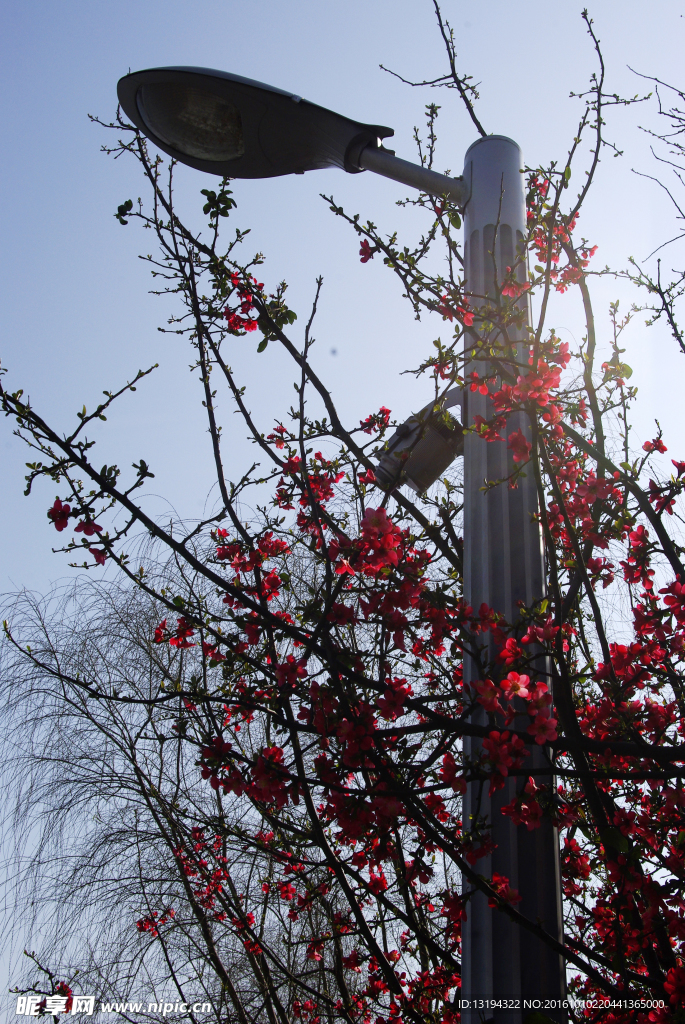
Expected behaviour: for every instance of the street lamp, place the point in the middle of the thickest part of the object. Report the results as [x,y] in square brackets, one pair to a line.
[228,125]
[231,126]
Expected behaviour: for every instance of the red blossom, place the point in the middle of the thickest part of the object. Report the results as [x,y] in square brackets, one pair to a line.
[286,891]
[661,497]
[238,318]
[366,252]
[152,922]
[593,489]
[211,651]
[459,309]
[88,527]
[525,809]
[675,986]
[59,514]
[454,908]
[498,751]
[519,446]
[488,695]
[544,728]
[290,671]
[391,704]
[341,615]
[381,542]
[314,949]
[450,774]
[376,421]
[489,429]
[352,962]
[180,637]
[270,777]
[510,653]
[62,989]
[500,883]
[514,289]
[278,436]
[515,685]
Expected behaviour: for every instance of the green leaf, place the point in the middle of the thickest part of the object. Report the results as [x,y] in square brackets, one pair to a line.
[539,270]
[567,173]
[618,840]
[585,829]
[454,219]
[616,369]
[179,602]
[262,345]
[123,210]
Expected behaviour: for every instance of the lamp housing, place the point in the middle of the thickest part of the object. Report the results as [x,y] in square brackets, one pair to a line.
[422,447]
[232,126]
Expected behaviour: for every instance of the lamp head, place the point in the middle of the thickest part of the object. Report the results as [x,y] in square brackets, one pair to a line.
[231,126]
[423,447]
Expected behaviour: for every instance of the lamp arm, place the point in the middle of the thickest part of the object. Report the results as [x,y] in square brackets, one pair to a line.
[382,161]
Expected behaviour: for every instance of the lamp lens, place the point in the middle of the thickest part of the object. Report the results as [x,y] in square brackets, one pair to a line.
[194,121]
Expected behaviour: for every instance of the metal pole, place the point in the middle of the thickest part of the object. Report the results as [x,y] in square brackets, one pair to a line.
[503,565]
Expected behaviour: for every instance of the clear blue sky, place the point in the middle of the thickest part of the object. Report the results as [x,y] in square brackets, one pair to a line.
[76,316]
